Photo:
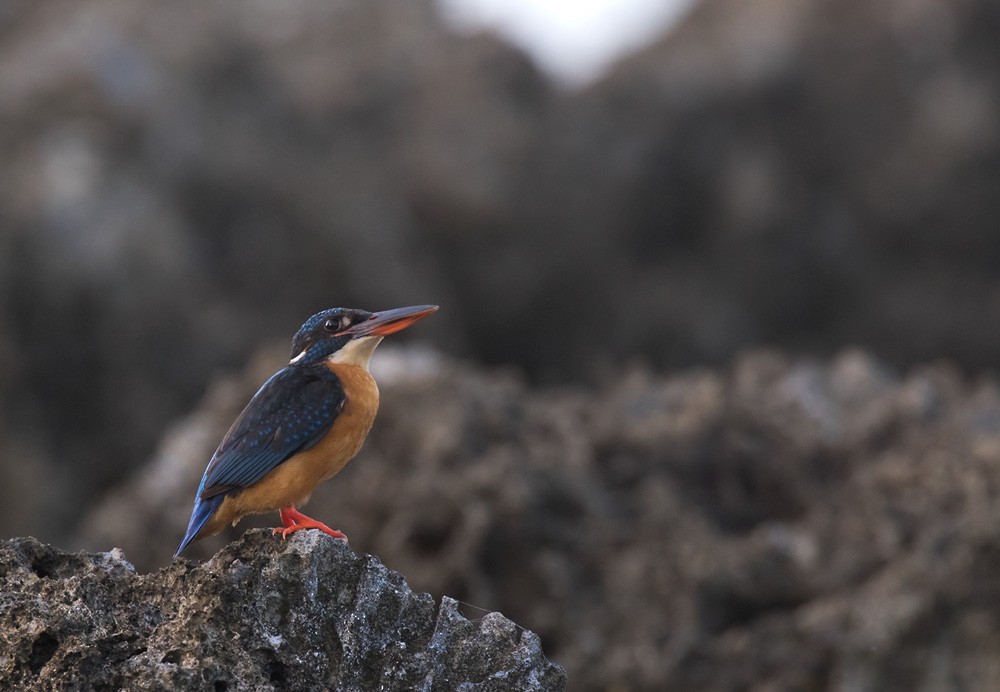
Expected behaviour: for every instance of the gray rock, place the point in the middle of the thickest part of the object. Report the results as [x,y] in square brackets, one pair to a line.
[263,614]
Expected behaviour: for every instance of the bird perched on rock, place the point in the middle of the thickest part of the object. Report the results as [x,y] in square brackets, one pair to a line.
[307,421]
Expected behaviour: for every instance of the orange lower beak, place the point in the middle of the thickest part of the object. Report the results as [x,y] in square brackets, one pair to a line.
[390,321]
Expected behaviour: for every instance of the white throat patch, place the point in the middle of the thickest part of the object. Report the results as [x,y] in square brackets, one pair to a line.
[356,352]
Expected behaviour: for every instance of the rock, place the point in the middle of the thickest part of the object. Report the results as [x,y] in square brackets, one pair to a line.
[263,614]
[809,174]
[782,521]
[184,181]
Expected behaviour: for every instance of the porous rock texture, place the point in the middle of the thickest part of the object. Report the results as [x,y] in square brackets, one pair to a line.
[263,614]
[777,524]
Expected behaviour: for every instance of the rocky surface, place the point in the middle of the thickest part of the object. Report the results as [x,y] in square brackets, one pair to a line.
[183,182]
[263,614]
[779,524]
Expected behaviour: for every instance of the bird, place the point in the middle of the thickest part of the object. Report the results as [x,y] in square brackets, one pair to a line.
[301,427]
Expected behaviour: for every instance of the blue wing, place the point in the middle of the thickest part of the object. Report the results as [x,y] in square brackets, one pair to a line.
[291,412]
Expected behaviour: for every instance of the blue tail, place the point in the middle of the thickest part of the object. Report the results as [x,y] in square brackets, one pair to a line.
[202,512]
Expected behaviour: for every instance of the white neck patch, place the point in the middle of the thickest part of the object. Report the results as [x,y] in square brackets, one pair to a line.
[355,352]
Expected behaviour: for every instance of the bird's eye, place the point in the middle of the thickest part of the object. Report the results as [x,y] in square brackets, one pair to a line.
[337,325]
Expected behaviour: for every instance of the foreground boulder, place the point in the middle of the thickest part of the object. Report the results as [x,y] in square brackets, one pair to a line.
[263,614]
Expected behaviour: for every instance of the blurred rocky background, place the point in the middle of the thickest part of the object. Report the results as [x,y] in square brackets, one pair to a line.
[773,525]
[181,184]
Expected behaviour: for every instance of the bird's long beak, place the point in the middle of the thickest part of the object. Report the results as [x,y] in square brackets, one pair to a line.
[390,321]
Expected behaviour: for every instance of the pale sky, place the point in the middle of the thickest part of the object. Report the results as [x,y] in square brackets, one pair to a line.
[574,40]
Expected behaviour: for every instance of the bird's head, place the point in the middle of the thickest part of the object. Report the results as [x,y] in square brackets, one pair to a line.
[347,335]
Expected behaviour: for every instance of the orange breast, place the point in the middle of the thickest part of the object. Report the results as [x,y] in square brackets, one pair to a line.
[293,481]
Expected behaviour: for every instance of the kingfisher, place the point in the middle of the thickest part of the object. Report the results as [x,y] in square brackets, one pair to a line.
[301,427]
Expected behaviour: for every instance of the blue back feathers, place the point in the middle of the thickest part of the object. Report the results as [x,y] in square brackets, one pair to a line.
[290,413]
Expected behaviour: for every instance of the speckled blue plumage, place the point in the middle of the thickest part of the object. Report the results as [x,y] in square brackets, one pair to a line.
[290,413]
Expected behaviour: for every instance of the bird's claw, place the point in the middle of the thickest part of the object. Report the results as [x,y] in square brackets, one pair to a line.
[294,520]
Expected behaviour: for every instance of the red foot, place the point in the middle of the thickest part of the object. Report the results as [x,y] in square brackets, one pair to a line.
[294,520]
